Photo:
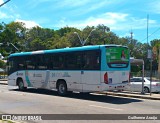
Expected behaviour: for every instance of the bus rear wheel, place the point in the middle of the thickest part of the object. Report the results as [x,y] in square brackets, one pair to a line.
[62,88]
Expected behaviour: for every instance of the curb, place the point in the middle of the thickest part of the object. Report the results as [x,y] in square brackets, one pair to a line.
[3,80]
[3,83]
[132,95]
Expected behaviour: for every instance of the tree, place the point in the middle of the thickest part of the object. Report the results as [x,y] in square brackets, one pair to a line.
[156,53]
[10,35]
[2,64]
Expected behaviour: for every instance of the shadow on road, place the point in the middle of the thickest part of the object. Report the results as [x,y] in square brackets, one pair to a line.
[84,96]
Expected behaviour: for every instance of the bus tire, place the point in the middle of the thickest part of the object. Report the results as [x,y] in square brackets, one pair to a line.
[62,88]
[21,85]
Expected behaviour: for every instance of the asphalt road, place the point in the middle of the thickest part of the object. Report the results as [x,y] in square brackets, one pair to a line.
[36,101]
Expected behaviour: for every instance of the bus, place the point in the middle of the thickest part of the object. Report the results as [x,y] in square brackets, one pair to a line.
[95,68]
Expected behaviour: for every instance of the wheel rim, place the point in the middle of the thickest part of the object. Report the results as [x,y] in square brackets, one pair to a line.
[146,90]
[62,88]
[21,85]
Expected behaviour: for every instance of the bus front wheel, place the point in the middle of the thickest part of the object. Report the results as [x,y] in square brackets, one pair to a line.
[62,88]
[21,85]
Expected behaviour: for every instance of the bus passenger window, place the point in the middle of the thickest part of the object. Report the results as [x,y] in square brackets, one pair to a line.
[58,62]
[30,63]
[92,60]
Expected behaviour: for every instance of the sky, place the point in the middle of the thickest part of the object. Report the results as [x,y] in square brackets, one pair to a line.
[121,16]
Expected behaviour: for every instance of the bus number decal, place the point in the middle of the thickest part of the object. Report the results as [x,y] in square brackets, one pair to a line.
[65,74]
[37,75]
[19,74]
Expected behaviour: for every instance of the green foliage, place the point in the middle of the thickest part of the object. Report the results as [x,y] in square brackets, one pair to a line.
[38,38]
[2,64]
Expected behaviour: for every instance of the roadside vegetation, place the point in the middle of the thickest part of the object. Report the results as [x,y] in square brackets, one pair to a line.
[38,38]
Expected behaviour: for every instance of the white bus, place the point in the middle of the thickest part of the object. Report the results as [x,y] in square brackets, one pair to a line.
[83,69]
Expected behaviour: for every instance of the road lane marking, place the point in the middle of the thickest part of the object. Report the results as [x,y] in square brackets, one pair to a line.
[106,107]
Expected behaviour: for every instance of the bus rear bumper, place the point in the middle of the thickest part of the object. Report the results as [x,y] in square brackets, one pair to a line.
[111,87]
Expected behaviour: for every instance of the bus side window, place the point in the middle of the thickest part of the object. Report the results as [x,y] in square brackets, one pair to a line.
[48,61]
[57,61]
[30,62]
[73,61]
[41,62]
[21,63]
[92,60]
[11,65]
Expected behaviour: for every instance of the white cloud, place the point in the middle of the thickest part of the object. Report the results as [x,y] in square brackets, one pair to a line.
[3,15]
[110,19]
[8,12]
[116,21]
[1,1]
[28,24]
[81,7]
[154,6]
[73,3]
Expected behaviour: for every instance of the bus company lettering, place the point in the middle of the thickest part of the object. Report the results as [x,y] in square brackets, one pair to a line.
[37,75]
[65,74]
[19,74]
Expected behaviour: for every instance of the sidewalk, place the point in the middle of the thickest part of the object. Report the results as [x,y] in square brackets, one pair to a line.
[153,96]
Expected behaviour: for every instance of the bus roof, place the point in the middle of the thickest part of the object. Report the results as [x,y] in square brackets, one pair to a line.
[67,49]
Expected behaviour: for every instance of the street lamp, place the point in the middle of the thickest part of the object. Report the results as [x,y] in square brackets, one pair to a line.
[1,57]
[11,44]
[83,41]
[79,37]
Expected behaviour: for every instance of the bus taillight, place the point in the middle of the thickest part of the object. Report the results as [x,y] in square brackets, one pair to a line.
[106,78]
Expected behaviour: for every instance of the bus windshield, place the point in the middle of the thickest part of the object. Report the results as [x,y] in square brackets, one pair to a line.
[117,57]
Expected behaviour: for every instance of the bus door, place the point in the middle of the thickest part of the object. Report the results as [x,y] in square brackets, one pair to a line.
[39,78]
[42,74]
[35,78]
[73,70]
[36,71]
[91,71]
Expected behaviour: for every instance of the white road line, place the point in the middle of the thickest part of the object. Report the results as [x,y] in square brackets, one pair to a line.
[106,107]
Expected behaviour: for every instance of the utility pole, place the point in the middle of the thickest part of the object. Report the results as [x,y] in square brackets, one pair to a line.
[150,56]
[131,35]
[147,28]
